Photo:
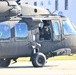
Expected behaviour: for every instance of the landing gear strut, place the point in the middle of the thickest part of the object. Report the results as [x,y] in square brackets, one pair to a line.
[38,59]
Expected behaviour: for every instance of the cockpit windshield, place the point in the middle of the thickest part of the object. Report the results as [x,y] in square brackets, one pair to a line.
[68,28]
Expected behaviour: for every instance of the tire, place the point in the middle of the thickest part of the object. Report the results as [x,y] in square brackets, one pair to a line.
[38,59]
[4,62]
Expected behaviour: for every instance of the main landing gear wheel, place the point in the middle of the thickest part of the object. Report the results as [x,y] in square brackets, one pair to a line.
[4,62]
[38,59]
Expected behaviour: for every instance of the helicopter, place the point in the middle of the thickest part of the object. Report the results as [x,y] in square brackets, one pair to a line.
[31,31]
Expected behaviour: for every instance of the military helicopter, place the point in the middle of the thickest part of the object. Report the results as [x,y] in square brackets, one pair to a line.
[30,31]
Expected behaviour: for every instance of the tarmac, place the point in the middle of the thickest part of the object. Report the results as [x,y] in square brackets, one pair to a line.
[58,67]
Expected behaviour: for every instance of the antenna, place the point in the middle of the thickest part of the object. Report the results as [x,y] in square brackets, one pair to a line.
[54,11]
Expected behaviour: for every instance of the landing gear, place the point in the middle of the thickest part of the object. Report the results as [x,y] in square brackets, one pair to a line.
[4,62]
[38,59]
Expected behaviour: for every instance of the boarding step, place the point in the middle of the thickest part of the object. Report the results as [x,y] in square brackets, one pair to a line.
[62,51]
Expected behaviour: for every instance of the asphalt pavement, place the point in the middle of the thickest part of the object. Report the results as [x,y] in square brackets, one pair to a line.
[58,67]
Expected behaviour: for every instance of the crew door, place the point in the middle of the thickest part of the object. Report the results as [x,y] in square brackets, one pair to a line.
[55,37]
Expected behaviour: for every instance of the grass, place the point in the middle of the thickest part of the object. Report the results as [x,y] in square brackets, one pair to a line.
[66,57]
[23,59]
[73,57]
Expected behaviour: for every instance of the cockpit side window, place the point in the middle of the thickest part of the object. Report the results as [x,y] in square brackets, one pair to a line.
[21,31]
[5,32]
[56,28]
[68,28]
[56,31]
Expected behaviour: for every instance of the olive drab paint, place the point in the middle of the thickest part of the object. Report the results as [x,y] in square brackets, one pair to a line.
[30,31]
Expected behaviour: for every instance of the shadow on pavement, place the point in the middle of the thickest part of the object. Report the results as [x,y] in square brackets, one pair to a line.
[10,67]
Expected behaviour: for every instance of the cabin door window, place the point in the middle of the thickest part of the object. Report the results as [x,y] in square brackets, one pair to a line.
[5,32]
[21,31]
